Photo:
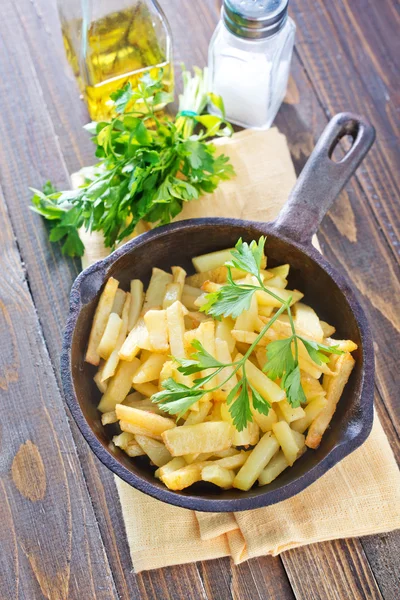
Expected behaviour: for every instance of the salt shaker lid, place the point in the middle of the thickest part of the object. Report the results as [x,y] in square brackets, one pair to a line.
[254,19]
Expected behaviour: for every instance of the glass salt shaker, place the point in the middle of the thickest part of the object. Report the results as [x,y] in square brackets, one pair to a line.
[249,59]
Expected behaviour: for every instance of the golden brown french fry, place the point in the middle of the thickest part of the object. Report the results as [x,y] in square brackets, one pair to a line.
[109,417]
[233,462]
[136,302]
[100,319]
[217,275]
[150,421]
[265,299]
[179,275]
[119,385]
[334,386]
[221,477]
[223,329]
[247,320]
[172,465]
[137,340]
[277,282]
[311,387]
[256,462]
[289,413]
[198,417]
[264,422]
[110,336]
[111,363]
[189,295]
[344,345]
[119,301]
[265,386]
[173,293]
[265,311]
[196,457]
[211,436]
[102,385]
[306,322]
[194,318]
[156,323]
[281,271]
[146,389]
[136,430]
[150,369]
[156,291]
[176,329]
[274,468]
[249,436]
[155,450]
[212,260]
[327,329]
[312,410]
[286,440]
[182,478]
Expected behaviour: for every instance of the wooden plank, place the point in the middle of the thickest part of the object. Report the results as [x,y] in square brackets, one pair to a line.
[350,50]
[51,545]
[350,575]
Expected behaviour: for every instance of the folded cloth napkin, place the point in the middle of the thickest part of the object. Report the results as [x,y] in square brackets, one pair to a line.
[363,490]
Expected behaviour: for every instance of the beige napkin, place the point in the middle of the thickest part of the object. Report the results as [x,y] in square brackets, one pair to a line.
[359,496]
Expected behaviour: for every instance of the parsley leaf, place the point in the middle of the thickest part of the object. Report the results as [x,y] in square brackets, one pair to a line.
[279,358]
[247,257]
[291,383]
[316,350]
[229,301]
[239,405]
[259,403]
[176,398]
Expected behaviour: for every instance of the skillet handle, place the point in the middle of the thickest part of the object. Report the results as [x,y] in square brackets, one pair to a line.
[322,179]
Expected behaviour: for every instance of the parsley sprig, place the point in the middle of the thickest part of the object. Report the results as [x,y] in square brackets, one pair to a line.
[282,355]
[149,166]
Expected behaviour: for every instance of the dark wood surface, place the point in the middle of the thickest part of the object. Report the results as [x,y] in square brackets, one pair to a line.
[61,530]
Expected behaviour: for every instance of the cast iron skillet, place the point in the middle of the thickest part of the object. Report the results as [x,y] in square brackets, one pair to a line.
[288,241]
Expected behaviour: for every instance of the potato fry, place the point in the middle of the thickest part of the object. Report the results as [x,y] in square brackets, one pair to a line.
[137,339]
[249,436]
[196,457]
[189,295]
[327,329]
[100,319]
[265,311]
[109,338]
[101,385]
[155,450]
[146,389]
[156,323]
[247,320]
[173,293]
[344,345]
[256,462]
[212,260]
[194,318]
[203,437]
[274,468]
[312,410]
[286,440]
[123,439]
[265,299]
[198,417]
[223,329]
[334,386]
[264,422]
[217,275]
[182,478]
[156,291]
[289,413]
[307,322]
[150,421]
[219,476]
[179,275]
[136,430]
[311,387]
[150,370]
[281,271]
[111,363]
[176,329]
[136,302]
[233,462]
[119,385]
[109,418]
[172,465]
[119,301]
[265,386]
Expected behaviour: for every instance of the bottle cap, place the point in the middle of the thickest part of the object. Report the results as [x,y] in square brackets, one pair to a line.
[254,19]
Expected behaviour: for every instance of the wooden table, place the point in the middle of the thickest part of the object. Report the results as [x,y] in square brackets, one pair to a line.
[61,529]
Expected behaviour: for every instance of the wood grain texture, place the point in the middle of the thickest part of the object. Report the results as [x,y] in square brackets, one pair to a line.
[42,138]
[49,539]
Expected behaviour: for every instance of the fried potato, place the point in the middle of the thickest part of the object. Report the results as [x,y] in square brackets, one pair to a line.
[311,387]
[223,329]
[150,421]
[247,320]
[109,418]
[217,275]
[327,329]
[136,430]
[334,386]
[155,293]
[112,361]
[265,386]
[233,462]
[212,260]
[256,462]
[249,436]
[119,301]
[173,293]
[138,339]
[176,329]
[150,369]
[198,417]
[274,468]
[119,385]
[223,355]
[286,440]
[156,324]
[265,299]
[307,322]
[344,345]
[100,319]
[189,295]
[155,450]
[281,271]
[136,302]
[264,422]
[182,478]
[146,389]
[312,410]
[289,413]
[101,385]
[172,465]
[196,457]
[219,476]
[211,436]
[109,338]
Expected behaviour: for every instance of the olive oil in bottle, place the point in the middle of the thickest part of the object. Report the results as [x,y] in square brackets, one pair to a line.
[108,49]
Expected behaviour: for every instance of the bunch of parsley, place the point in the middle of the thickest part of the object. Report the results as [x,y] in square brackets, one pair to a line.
[149,166]
[282,355]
